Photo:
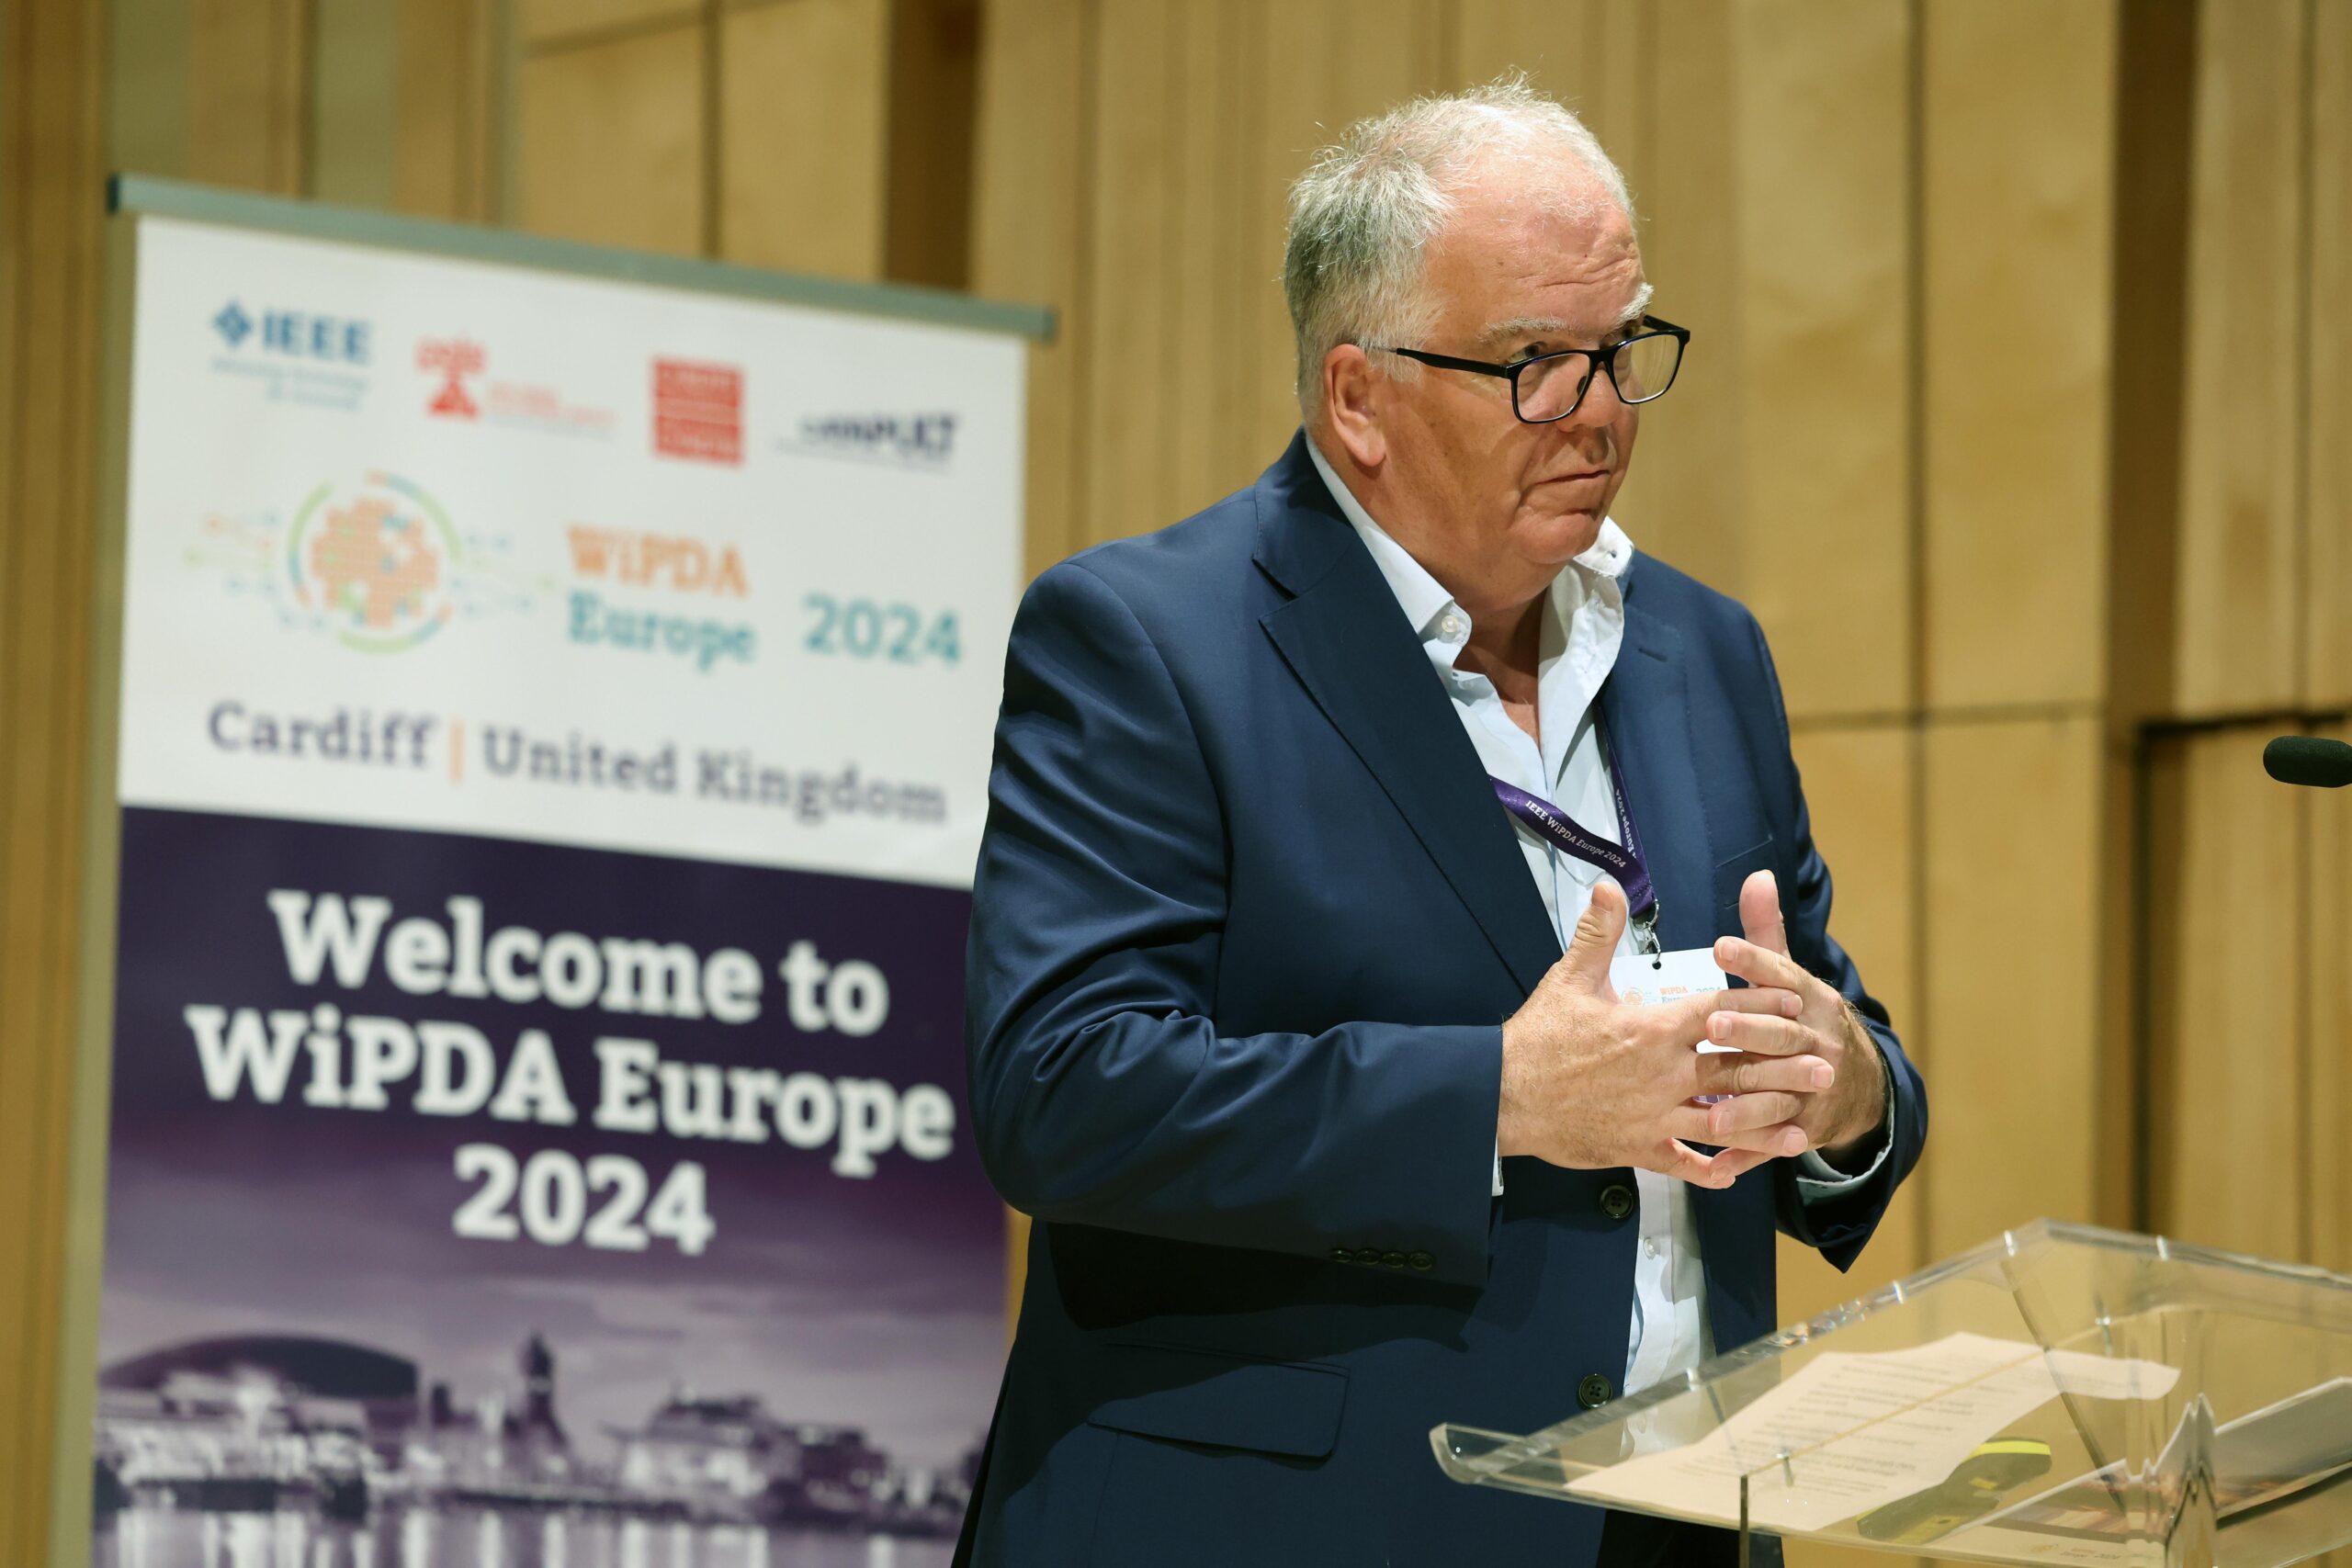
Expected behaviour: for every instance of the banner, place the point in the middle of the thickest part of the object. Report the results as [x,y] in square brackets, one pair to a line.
[555,724]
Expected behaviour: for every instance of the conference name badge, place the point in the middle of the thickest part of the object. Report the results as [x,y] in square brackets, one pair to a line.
[1656,979]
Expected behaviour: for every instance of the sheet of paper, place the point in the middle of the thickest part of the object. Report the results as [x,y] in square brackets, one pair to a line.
[1848,1432]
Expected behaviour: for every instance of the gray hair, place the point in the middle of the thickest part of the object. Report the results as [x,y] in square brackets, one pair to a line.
[1364,211]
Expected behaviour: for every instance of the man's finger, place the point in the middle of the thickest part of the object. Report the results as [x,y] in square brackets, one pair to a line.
[1760,965]
[1747,1124]
[1734,1073]
[1594,943]
[1762,1034]
[1760,912]
[1685,1022]
[1684,1163]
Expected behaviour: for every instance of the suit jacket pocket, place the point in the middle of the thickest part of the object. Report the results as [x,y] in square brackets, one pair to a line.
[1737,869]
[1225,1401]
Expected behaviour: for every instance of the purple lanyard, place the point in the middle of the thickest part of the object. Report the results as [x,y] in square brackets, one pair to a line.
[1621,861]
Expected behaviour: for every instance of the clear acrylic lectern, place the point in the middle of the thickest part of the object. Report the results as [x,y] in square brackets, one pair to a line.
[2061,1394]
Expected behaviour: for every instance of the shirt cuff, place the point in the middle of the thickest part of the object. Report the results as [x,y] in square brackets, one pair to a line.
[1817,1179]
[1498,1168]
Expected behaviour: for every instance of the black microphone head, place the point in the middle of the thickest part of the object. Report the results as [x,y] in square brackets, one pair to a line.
[2308,760]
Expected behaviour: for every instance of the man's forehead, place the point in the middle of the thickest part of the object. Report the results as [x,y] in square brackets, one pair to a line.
[1526,326]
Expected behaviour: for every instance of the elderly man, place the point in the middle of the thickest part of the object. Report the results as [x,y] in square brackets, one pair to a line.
[1318,823]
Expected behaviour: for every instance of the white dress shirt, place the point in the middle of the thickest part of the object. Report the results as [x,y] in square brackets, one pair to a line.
[1584,626]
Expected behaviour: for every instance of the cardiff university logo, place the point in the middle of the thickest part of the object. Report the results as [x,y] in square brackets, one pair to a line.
[698,412]
[452,359]
[233,325]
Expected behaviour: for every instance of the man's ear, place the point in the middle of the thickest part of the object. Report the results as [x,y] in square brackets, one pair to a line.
[1352,402]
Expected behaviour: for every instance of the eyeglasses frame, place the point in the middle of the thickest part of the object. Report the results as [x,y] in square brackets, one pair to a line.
[1601,361]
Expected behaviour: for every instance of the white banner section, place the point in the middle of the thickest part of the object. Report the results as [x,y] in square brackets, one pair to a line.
[429,543]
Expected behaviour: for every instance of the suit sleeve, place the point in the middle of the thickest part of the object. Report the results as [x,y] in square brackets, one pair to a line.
[1102,1091]
[1837,1225]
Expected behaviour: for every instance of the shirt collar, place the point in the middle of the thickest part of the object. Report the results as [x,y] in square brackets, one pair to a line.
[1424,599]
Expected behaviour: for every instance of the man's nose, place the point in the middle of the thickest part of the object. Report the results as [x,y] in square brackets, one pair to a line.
[1601,404]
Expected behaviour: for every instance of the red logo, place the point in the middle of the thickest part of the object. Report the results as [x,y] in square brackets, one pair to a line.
[453,359]
[698,410]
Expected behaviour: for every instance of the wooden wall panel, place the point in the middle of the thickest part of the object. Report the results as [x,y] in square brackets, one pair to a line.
[1031,210]
[1861,785]
[2327,341]
[1310,68]
[354,101]
[540,20]
[2238,598]
[1131,255]
[1685,494]
[931,106]
[1825,539]
[1564,46]
[2017,106]
[611,143]
[2014,942]
[51,173]
[147,79]
[2227,1054]
[248,72]
[803,120]
[444,162]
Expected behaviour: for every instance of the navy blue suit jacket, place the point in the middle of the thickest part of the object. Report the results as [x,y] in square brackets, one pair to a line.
[1247,921]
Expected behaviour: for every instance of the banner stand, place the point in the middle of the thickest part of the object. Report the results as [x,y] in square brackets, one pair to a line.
[544,695]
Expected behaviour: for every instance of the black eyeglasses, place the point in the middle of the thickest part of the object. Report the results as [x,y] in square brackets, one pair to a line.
[1548,387]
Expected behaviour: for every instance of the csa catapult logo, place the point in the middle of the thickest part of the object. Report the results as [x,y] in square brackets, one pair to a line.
[378,566]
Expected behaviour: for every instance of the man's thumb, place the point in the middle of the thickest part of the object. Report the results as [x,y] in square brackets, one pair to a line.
[1594,945]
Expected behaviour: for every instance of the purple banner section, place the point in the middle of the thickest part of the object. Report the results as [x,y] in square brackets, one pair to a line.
[473,1201]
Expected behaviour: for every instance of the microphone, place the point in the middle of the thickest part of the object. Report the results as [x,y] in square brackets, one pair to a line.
[2308,760]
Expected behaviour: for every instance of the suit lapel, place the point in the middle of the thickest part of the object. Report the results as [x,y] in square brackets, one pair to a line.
[1644,711]
[1343,637]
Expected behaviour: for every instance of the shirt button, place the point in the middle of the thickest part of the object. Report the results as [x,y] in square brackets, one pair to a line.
[1649,1246]
[1451,625]
[1593,1391]
[1616,1199]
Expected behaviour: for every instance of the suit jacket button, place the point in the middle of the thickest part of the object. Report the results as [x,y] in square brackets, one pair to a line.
[1393,1259]
[1343,1255]
[1616,1199]
[1593,1391]
[1422,1261]
[1368,1255]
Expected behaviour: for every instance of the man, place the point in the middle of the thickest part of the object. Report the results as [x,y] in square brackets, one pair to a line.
[1296,806]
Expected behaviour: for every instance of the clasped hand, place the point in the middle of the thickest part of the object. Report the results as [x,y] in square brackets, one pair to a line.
[1590,1083]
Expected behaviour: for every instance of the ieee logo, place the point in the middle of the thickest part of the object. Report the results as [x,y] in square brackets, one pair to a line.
[298,334]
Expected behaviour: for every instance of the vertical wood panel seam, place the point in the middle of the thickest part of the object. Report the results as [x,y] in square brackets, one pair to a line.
[711,168]
[2306,350]
[1915,284]
[1080,337]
